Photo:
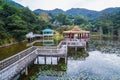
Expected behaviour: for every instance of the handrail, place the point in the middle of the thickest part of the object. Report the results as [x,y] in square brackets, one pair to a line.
[8,61]
[30,44]
[61,47]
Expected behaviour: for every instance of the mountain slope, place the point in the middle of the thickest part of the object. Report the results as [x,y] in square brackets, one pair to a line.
[80,11]
[13,3]
[110,10]
[55,11]
[90,14]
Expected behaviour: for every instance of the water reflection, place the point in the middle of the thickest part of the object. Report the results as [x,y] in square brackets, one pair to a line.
[46,71]
[107,47]
[101,61]
[77,55]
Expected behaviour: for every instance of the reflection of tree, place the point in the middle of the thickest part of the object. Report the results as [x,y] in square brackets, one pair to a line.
[46,71]
[108,47]
[81,55]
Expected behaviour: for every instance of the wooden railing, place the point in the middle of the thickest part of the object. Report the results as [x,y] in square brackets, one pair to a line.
[31,44]
[20,60]
[6,62]
[53,51]
[74,43]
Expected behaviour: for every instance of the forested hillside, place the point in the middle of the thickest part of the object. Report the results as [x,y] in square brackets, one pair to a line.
[15,22]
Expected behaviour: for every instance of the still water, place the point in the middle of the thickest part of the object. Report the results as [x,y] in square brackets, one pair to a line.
[100,62]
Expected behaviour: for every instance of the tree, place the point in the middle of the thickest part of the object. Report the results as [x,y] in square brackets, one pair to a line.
[78,20]
[45,17]
[17,27]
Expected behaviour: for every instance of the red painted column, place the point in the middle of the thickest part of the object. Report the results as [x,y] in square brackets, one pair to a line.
[88,35]
[70,36]
[84,36]
[80,35]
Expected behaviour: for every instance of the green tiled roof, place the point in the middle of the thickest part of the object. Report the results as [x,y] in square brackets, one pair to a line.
[48,30]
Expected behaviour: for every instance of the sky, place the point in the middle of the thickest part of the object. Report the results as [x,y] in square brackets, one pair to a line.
[68,4]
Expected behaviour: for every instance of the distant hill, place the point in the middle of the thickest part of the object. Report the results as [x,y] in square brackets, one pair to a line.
[55,11]
[73,12]
[90,14]
[81,11]
[110,10]
[13,3]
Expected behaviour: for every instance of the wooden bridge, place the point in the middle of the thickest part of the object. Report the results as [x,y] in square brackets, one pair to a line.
[15,64]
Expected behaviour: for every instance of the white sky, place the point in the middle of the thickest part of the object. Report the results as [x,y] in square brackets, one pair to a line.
[67,4]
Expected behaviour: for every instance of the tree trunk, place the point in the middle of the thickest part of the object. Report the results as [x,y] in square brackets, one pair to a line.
[101,33]
[112,32]
[119,33]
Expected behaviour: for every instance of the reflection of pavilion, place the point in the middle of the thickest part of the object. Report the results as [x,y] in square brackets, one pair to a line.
[48,37]
[77,55]
[54,64]
[77,33]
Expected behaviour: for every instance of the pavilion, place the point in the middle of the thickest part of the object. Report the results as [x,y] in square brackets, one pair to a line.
[48,32]
[48,36]
[76,33]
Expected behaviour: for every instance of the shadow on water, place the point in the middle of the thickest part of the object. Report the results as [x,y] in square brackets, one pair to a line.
[46,71]
[80,54]
[40,71]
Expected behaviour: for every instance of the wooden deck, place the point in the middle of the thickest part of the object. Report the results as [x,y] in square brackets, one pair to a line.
[58,52]
[14,64]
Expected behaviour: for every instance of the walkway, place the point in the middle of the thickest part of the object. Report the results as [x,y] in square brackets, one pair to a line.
[14,64]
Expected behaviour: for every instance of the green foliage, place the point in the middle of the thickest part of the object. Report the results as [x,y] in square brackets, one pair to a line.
[109,22]
[15,22]
[80,20]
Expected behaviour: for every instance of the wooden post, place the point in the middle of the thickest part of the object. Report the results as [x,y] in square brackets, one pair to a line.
[65,60]
[57,60]
[37,60]
[75,48]
[51,59]
[45,59]
[85,48]
[26,71]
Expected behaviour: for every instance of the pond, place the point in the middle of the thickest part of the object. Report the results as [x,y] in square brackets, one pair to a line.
[100,62]
[8,51]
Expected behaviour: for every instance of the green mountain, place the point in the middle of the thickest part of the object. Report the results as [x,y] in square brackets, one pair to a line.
[13,3]
[90,14]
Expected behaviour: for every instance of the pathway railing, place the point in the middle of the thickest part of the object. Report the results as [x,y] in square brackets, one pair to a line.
[79,43]
[7,62]
[16,63]
[53,51]
[8,72]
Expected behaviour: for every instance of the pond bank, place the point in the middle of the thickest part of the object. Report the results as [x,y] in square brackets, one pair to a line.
[10,44]
[12,49]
